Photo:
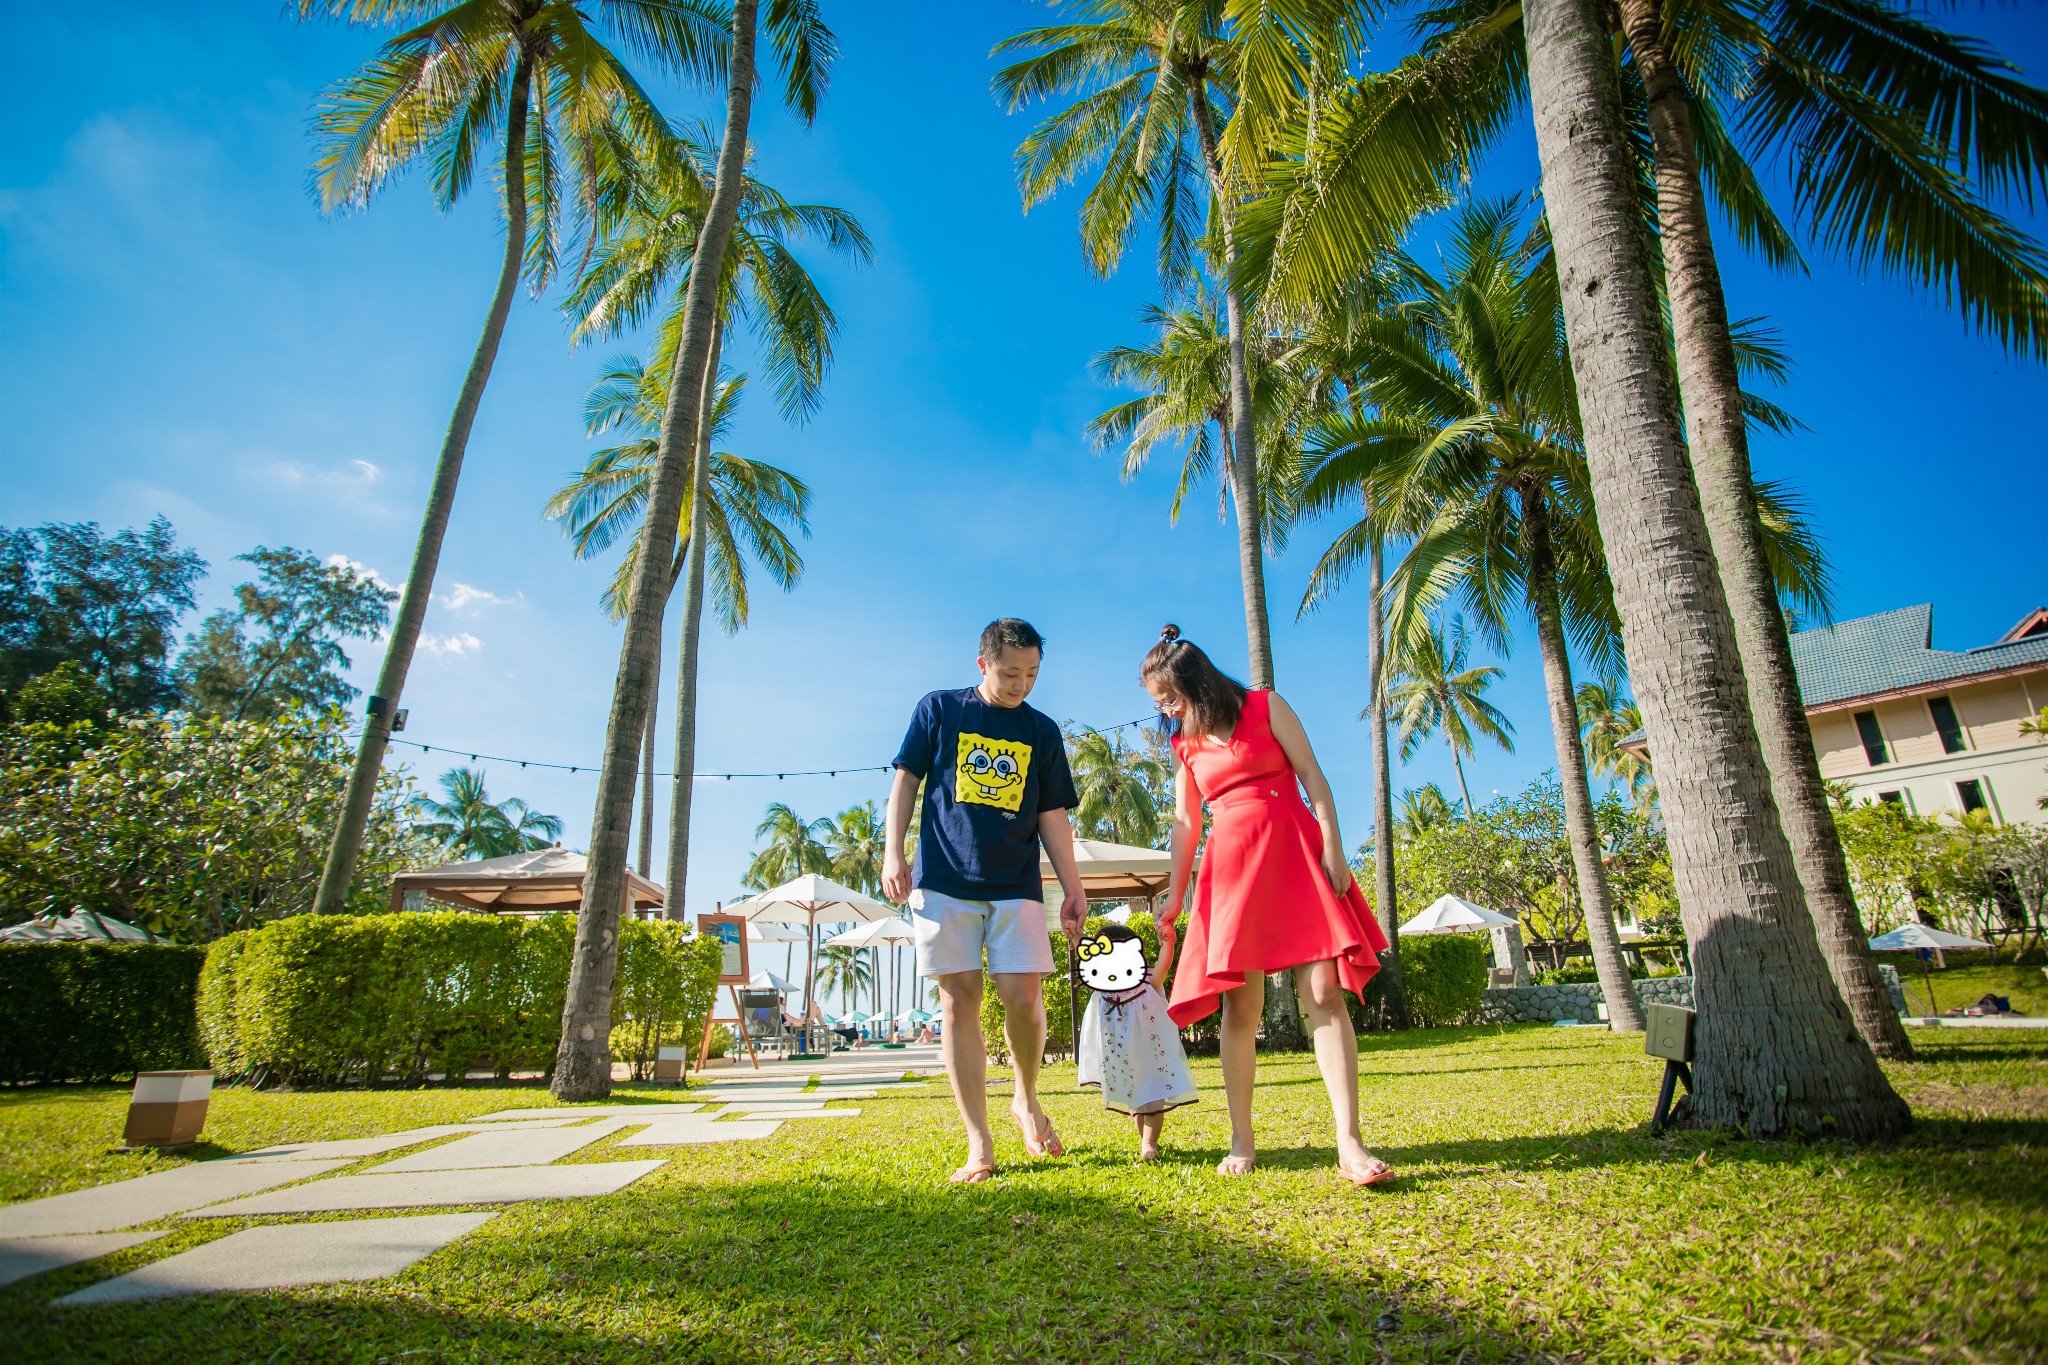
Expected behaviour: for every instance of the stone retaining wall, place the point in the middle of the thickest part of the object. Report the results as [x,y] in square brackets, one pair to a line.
[1580,1000]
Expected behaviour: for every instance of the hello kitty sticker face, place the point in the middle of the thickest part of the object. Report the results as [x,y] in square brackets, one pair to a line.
[1112,960]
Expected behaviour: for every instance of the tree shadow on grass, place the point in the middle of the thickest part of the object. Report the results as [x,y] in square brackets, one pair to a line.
[804,1269]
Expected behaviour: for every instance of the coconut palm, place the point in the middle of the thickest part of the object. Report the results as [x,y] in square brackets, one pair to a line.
[806,49]
[1114,784]
[1152,76]
[643,266]
[845,970]
[1431,691]
[1777,1049]
[1607,717]
[795,846]
[1423,809]
[470,825]
[536,74]
[752,508]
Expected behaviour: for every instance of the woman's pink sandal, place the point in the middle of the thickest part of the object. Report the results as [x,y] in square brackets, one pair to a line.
[1369,1176]
[1045,1144]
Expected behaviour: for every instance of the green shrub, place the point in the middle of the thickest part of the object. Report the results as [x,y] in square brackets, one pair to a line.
[96,1011]
[1444,975]
[325,1000]
[721,1036]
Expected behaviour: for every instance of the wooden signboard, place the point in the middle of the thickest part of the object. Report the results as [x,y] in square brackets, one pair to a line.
[730,930]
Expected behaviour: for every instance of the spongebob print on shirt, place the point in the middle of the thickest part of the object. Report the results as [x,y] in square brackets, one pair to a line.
[991,772]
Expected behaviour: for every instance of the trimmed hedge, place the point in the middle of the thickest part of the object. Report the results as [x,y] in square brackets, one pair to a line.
[96,1011]
[1444,976]
[326,1000]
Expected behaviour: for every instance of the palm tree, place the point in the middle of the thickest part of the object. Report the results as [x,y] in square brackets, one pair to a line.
[857,840]
[795,846]
[1432,691]
[753,506]
[1393,992]
[845,970]
[470,825]
[536,71]
[1115,786]
[643,265]
[1606,718]
[1423,809]
[1778,1051]
[806,47]
[1154,73]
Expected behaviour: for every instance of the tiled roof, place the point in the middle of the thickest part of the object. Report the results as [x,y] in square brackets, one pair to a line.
[1893,650]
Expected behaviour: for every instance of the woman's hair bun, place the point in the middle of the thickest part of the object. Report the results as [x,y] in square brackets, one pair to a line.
[1168,634]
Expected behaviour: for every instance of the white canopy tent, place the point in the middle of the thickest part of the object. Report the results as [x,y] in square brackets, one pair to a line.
[1455,915]
[810,900]
[80,926]
[533,883]
[1908,937]
[1109,872]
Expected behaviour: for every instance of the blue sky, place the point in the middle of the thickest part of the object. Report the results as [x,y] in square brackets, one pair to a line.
[182,332]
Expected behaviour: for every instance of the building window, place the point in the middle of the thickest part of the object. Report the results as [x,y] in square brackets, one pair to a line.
[1971,794]
[1893,798]
[1872,737]
[1945,721]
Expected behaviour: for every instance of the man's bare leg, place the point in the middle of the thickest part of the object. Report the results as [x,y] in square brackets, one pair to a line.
[1024,1024]
[1241,1010]
[966,1057]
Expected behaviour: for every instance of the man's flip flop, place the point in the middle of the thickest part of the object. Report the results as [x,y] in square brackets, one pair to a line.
[972,1175]
[1369,1176]
[1045,1144]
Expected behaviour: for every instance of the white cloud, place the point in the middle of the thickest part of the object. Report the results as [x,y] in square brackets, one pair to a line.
[371,473]
[465,596]
[362,570]
[457,645]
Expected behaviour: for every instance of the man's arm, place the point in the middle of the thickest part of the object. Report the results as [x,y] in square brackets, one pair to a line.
[895,867]
[1058,837]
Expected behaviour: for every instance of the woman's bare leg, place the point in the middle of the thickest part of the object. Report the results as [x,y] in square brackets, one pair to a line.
[1322,1001]
[1241,1010]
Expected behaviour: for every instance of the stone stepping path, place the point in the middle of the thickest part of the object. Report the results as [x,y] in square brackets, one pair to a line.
[427,1189]
[519,1147]
[21,1257]
[585,1111]
[686,1131]
[286,1255]
[799,1114]
[147,1198]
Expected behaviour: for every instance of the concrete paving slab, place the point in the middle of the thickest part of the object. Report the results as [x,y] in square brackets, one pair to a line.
[355,1149]
[519,1147]
[425,1189]
[836,1085]
[21,1257]
[684,1132]
[288,1254]
[584,1111]
[745,1114]
[145,1199]
[792,1097]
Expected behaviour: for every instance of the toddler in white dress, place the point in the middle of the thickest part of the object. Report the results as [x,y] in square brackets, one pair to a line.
[1130,1050]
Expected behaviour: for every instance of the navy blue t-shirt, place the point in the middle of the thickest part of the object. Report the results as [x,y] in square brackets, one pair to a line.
[989,772]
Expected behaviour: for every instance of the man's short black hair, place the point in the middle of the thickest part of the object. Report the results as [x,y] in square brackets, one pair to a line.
[1010,633]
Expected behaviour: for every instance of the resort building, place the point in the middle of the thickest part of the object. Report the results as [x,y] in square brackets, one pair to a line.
[1895,719]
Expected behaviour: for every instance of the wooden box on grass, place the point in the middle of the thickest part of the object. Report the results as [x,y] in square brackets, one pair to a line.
[168,1108]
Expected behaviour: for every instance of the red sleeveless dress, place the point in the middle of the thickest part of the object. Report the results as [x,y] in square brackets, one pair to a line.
[1261,902]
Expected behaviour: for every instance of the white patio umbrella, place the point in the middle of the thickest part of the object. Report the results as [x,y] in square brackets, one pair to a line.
[1909,936]
[765,980]
[874,934]
[773,933]
[1453,915]
[80,926]
[809,900]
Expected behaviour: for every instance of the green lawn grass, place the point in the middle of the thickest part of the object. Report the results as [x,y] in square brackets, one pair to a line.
[1534,1219]
[1958,986]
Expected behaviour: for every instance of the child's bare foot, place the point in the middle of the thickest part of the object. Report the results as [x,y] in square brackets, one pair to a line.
[1148,1152]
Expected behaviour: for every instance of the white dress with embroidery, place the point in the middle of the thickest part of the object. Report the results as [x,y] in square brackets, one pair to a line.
[1132,1052]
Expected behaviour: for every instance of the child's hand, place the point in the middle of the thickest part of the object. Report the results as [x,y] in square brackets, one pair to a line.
[1167,939]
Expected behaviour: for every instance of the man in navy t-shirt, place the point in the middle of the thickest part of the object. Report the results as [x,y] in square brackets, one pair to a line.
[996,784]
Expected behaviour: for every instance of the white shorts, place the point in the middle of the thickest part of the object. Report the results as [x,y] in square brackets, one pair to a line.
[952,935]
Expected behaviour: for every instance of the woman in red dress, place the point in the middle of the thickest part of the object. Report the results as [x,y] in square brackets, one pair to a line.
[1274,894]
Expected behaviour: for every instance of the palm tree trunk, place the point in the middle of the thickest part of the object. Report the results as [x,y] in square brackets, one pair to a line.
[1244,462]
[1457,763]
[1777,1051]
[1393,996]
[646,858]
[1711,391]
[1624,1011]
[683,785]
[583,1067]
[347,844]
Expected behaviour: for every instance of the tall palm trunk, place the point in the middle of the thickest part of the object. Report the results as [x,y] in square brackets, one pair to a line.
[684,783]
[583,1068]
[1393,995]
[646,857]
[1243,452]
[347,844]
[1457,763]
[1712,394]
[1777,1051]
[1624,1011]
